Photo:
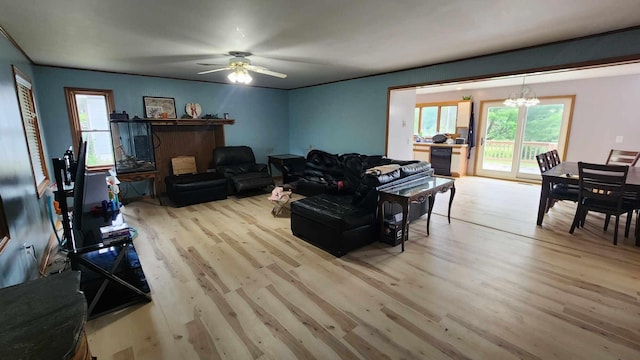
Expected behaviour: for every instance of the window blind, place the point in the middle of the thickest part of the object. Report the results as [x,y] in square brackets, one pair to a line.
[32,132]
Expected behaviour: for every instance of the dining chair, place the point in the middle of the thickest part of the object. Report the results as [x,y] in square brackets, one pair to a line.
[623,157]
[602,189]
[555,157]
[549,159]
[558,191]
[543,162]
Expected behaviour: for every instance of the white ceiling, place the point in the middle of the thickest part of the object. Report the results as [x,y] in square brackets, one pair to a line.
[312,41]
[617,69]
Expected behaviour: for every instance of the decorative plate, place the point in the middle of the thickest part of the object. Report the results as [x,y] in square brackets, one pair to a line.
[194,110]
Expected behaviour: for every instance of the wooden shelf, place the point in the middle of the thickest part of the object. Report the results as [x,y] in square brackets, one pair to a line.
[190,122]
[182,122]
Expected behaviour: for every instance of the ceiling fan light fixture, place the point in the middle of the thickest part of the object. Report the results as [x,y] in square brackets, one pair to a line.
[522,99]
[240,75]
[233,77]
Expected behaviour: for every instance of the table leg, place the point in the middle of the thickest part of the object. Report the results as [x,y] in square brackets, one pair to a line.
[637,227]
[451,195]
[405,221]
[381,217]
[431,198]
[153,187]
[269,168]
[544,197]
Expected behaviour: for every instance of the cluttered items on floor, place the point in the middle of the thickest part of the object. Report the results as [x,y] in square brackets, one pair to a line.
[280,197]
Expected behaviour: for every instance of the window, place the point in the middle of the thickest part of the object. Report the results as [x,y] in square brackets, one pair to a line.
[435,118]
[31,128]
[89,111]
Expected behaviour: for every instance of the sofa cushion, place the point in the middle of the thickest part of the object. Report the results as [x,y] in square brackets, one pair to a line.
[251,180]
[194,181]
[414,167]
[197,188]
[333,211]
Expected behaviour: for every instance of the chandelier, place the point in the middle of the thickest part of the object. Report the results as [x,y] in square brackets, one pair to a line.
[240,75]
[523,98]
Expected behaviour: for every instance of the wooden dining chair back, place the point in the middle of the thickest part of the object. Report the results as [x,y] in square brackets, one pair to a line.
[557,191]
[555,157]
[543,162]
[601,190]
[623,157]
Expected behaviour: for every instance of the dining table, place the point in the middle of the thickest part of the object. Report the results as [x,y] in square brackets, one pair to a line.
[567,173]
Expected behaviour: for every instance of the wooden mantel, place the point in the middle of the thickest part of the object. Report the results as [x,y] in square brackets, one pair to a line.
[190,122]
[185,137]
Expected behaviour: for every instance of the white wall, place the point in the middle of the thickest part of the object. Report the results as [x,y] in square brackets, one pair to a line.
[402,104]
[604,108]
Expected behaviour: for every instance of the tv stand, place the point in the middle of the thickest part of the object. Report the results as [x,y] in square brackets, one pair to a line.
[61,194]
[111,275]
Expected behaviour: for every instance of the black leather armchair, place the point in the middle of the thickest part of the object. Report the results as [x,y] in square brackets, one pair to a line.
[238,165]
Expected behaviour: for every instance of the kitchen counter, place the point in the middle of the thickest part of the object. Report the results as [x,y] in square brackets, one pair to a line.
[458,161]
[443,145]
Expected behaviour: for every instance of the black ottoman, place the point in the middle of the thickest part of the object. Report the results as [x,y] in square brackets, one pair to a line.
[332,223]
[196,188]
[251,180]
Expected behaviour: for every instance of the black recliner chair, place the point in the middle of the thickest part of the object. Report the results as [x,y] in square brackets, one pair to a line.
[238,165]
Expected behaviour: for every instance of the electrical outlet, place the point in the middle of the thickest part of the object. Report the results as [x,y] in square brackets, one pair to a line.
[28,249]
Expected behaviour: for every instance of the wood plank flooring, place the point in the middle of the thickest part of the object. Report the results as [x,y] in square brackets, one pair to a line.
[229,281]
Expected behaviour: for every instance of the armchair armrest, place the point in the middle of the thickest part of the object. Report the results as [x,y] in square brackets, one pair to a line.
[258,168]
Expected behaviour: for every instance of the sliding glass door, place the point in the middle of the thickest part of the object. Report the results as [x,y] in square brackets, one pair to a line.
[511,137]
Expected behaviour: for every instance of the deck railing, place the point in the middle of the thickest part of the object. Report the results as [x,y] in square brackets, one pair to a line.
[501,149]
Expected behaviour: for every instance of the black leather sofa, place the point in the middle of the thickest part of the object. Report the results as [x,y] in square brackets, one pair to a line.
[238,165]
[189,189]
[339,213]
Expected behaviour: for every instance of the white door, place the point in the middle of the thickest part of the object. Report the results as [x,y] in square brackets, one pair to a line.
[402,105]
[511,137]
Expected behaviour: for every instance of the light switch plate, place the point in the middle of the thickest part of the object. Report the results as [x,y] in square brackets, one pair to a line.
[618,139]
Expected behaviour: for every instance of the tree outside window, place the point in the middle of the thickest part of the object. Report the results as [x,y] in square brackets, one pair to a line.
[89,111]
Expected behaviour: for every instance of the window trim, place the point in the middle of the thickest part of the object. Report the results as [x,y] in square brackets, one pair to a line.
[21,78]
[74,120]
[439,104]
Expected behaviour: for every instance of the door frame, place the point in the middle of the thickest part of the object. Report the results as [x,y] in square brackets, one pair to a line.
[562,145]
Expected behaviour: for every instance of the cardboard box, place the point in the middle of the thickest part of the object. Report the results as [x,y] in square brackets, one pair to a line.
[392,232]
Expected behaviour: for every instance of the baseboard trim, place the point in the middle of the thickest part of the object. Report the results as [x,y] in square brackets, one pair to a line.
[50,249]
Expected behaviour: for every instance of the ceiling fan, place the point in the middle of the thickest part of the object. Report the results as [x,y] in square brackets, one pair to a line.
[241,67]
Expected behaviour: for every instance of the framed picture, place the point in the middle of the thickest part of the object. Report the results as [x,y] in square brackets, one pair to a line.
[159,107]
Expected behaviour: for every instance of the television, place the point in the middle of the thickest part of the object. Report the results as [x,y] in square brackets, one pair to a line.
[78,195]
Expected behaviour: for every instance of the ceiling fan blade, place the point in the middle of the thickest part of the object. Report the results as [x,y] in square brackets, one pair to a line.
[205,64]
[262,70]
[214,70]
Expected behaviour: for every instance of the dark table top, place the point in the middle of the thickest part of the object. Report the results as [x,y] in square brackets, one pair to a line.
[416,187]
[561,170]
[43,318]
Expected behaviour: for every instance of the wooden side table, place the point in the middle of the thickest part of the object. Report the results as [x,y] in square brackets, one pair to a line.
[282,160]
[140,176]
[417,191]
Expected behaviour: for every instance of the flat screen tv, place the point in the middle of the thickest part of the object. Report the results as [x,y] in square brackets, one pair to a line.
[78,195]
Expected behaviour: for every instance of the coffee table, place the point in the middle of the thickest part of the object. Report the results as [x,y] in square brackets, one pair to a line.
[416,191]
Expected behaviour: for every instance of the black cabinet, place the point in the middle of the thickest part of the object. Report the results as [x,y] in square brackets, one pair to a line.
[441,160]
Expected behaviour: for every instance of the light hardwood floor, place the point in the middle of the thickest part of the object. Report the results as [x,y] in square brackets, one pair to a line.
[229,281]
